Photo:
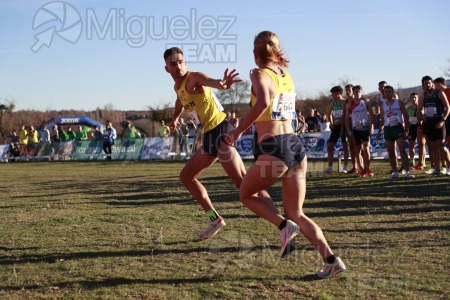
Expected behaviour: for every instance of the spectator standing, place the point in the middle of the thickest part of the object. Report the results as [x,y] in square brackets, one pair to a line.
[164,130]
[97,134]
[55,134]
[113,130]
[312,122]
[14,150]
[300,122]
[45,136]
[129,135]
[192,136]
[81,134]
[71,135]
[377,117]
[33,140]
[63,135]
[183,135]
[325,123]
[108,141]
[23,141]
[234,120]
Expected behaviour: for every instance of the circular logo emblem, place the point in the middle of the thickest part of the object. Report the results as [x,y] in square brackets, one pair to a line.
[58,18]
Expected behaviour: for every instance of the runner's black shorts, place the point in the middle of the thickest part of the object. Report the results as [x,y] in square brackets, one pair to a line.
[212,138]
[336,134]
[361,136]
[412,133]
[286,147]
[433,134]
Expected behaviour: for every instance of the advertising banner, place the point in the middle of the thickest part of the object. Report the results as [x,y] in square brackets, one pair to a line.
[4,149]
[156,148]
[244,146]
[315,144]
[88,150]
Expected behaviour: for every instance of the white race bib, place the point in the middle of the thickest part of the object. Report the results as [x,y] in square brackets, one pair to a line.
[430,112]
[337,113]
[283,106]
[393,121]
[360,125]
[413,120]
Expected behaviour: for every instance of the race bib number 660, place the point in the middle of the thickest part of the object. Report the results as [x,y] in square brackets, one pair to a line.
[283,107]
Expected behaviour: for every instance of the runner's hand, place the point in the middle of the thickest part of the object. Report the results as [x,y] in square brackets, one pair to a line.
[229,79]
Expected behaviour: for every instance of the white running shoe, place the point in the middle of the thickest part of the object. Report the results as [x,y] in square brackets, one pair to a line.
[328,170]
[212,228]
[448,171]
[393,176]
[443,171]
[408,175]
[330,270]
[344,170]
[287,234]
[429,171]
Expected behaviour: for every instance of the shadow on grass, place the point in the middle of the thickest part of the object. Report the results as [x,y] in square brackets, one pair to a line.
[113,282]
[56,257]
[397,229]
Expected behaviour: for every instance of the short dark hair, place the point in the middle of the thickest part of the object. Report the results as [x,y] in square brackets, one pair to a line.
[349,86]
[357,87]
[439,80]
[389,87]
[382,82]
[171,51]
[413,94]
[425,78]
[336,89]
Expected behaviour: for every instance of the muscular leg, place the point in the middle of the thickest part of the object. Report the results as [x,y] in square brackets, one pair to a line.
[259,177]
[234,167]
[346,152]
[188,176]
[330,150]
[353,151]
[358,158]
[411,150]
[390,146]
[366,155]
[294,189]
[403,155]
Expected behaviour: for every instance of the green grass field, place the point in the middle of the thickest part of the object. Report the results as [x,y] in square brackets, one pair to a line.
[118,230]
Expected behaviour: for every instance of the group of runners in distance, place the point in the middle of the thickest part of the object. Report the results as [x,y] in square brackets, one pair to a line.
[425,120]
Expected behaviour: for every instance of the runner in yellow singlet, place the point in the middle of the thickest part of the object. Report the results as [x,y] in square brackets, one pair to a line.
[279,153]
[194,95]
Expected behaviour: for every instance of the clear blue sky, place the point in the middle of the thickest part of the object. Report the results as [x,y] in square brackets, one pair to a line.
[101,54]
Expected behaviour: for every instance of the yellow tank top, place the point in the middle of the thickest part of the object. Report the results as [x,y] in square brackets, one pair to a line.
[203,108]
[282,106]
